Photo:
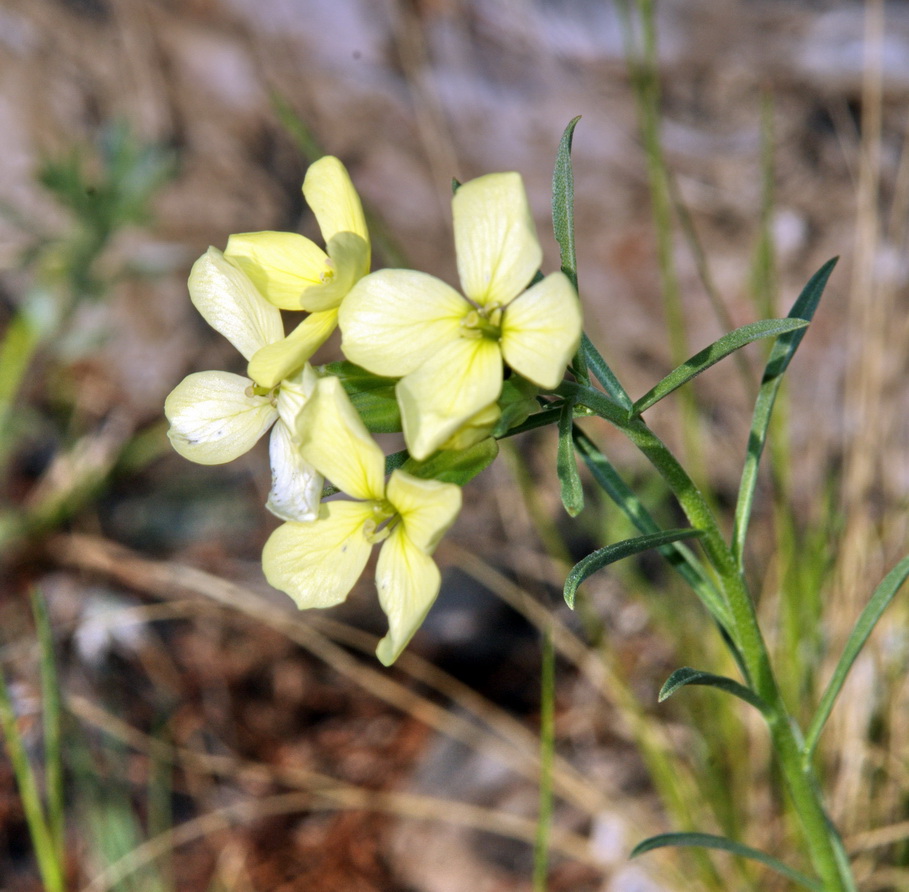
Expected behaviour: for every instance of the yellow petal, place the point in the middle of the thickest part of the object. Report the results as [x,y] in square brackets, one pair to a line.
[231,305]
[282,265]
[462,379]
[274,362]
[348,263]
[394,320]
[408,582]
[333,438]
[330,193]
[318,563]
[495,238]
[427,507]
[296,486]
[213,419]
[476,428]
[541,330]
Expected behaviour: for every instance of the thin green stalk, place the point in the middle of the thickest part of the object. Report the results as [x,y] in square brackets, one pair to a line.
[547,758]
[823,842]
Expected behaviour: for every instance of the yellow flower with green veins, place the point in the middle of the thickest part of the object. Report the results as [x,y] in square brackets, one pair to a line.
[294,273]
[217,416]
[318,563]
[449,349]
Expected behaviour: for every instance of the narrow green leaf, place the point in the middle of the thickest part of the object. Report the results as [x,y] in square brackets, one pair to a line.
[604,374]
[615,552]
[709,841]
[880,600]
[780,357]
[681,558]
[566,466]
[454,465]
[686,676]
[563,204]
[729,343]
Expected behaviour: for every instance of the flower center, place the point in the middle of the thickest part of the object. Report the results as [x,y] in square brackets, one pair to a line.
[384,519]
[483,322]
[328,274]
[258,390]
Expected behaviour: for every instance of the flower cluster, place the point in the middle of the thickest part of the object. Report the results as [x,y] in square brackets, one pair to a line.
[457,369]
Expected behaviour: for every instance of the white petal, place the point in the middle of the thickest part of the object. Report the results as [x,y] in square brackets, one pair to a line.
[333,438]
[213,419]
[231,305]
[293,396]
[318,563]
[541,330]
[427,507]
[442,394]
[408,582]
[296,486]
[394,320]
[495,238]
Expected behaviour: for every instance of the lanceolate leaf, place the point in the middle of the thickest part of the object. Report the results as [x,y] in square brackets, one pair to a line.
[709,841]
[454,466]
[729,343]
[879,602]
[566,466]
[686,676]
[604,374]
[615,552]
[563,204]
[780,357]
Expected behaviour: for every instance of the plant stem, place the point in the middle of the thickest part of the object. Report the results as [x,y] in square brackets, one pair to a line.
[824,845]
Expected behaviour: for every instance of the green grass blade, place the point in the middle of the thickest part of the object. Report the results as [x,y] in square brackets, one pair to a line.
[50,867]
[780,357]
[547,760]
[52,710]
[709,841]
[566,467]
[687,676]
[729,343]
[880,600]
[602,557]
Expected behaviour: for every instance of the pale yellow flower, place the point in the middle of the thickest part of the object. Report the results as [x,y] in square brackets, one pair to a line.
[318,563]
[449,349]
[294,273]
[217,416]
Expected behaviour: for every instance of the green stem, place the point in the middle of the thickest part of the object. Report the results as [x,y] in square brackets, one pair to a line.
[824,844]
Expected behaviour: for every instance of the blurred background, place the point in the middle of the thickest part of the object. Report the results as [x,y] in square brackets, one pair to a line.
[214,738]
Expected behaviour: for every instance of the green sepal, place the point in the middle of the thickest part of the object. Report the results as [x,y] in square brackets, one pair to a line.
[615,552]
[709,841]
[372,396]
[729,343]
[686,676]
[455,465]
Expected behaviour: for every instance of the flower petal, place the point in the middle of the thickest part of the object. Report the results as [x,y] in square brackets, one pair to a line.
[231,305]
[275,362]
[408,582]
[294,394]
[282,265]
[330,193]
[541,330]
[462,379]
[348,263]
[427,507]
[333,438]
[495,238]
[318,563]
[296,486]
[213,419]
[395,320]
